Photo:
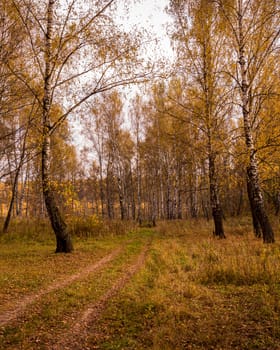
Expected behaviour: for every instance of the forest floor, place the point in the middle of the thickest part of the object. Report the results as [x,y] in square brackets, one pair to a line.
[172,287]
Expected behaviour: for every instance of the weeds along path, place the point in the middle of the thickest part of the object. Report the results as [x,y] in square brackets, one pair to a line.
[20,306]
[76,338]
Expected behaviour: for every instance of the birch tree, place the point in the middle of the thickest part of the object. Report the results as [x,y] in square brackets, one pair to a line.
[137,115]
[253,31]
[200,42]
[17,108]
[74,52]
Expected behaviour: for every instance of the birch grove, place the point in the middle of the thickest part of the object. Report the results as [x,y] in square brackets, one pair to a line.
[91,128]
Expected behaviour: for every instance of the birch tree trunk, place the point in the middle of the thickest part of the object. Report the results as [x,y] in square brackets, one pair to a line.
[121,197]
[131,196]
[101,185]
[256,223]
[202,41]
[109,188]
[214,198]
[12,201]
[15,184]
[256,198]
[63,240]
[138,176]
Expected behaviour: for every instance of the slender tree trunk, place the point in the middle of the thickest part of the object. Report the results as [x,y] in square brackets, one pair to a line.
[21,196]
[132,194]
[161,202]
[178,191]
[214,199]
[257,206]
[27,185]
[109,192]
[12,201]
[101,186]
[174,202]
[153,210]
[193,183]
[139,184]
[63,240]
[168,202]
[121,198]
[256,224]
[15,183]
[16,202]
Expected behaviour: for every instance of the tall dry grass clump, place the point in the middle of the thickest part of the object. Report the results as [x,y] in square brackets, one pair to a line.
[94,226]
[237,261]
[241,259]
[39,230]
[211,293]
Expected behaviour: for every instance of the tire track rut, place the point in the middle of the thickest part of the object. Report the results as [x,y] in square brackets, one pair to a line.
[20,306]
[76,338]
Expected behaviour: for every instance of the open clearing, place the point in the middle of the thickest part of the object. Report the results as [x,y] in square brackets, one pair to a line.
[174,287]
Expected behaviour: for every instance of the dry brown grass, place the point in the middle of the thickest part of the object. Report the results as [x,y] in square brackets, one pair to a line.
[197,292]
[194,292]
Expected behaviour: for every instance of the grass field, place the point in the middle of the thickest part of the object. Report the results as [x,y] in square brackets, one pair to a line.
[191,292]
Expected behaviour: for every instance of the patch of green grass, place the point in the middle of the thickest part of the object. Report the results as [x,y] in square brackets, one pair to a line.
[56,311]
[28,264]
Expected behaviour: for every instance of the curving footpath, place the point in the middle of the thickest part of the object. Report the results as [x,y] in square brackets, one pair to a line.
[76,338]
[20,306]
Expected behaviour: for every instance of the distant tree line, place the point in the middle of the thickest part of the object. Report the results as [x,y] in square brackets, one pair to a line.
[201,142]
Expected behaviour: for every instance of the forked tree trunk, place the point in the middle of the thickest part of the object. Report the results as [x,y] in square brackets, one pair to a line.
[257,206]
[63,240]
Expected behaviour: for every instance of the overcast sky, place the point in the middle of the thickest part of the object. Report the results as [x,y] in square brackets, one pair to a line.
[151,15]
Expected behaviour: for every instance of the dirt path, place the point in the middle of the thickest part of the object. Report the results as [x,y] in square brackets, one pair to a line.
[20,306]
[76,338]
